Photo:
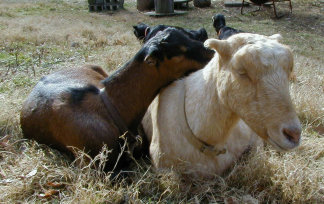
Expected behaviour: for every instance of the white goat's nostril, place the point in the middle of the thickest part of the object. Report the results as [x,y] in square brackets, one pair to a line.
[292,134]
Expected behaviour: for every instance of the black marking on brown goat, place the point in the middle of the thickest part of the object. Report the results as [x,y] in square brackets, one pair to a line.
[78,94]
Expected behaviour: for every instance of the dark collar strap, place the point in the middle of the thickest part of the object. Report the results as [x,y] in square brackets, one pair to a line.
[113,112]
[146,31]
[203,147]
[131,141]
[219,32]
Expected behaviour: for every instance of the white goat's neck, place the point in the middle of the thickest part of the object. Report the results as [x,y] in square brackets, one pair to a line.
[208,117]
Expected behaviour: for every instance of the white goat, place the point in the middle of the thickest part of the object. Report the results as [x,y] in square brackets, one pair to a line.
[204,122]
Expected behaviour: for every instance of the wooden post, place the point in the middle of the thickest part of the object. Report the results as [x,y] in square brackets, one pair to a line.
[164,6]
[202,3]
[143,5]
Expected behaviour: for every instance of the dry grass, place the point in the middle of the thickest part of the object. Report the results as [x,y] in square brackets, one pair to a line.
[39,37]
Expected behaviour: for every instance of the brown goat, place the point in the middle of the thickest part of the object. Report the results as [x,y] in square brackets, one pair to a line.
[65,109]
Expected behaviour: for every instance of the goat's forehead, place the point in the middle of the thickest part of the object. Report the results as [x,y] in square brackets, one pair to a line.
[239,40]
[170,36]
[264,48]
[267,49]
[247,37]
[264,55]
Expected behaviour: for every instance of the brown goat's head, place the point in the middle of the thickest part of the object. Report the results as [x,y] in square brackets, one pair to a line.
[174,54]
[255,73]
[144,32]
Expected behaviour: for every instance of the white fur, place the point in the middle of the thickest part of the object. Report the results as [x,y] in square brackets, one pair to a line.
[223,107]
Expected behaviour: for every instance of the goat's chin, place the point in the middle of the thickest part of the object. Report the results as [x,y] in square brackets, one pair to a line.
[280,142]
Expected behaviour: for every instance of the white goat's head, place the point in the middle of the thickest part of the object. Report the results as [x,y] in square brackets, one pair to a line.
[254,72]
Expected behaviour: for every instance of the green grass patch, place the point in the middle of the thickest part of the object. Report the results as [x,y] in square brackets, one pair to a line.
[9,14]
[22,81]
[4,56]
[4,88]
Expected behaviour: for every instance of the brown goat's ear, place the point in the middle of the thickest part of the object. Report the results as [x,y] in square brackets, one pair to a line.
[150,60]
[151,56]
[276,37]
[221,46]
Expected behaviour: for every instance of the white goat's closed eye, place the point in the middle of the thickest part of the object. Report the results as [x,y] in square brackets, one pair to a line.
[241,72]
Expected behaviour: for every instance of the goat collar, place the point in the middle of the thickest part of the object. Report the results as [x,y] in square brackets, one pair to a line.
[203,147]
[130,139]
[219,32]
[146,31]
[113,113]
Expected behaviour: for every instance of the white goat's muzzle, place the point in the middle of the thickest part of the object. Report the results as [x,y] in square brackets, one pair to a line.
[286,137]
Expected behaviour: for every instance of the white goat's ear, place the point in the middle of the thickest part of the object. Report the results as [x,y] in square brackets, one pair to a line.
[276,37]
[221,46]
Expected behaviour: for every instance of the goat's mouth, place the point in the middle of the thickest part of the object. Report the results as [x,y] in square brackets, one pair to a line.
[276,145]
[280,144]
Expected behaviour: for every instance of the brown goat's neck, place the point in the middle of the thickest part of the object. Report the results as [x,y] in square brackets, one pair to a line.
[132,89]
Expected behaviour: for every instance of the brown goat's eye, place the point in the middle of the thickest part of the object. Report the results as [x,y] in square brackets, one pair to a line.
[183,49]
[163,43]
[178,59]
